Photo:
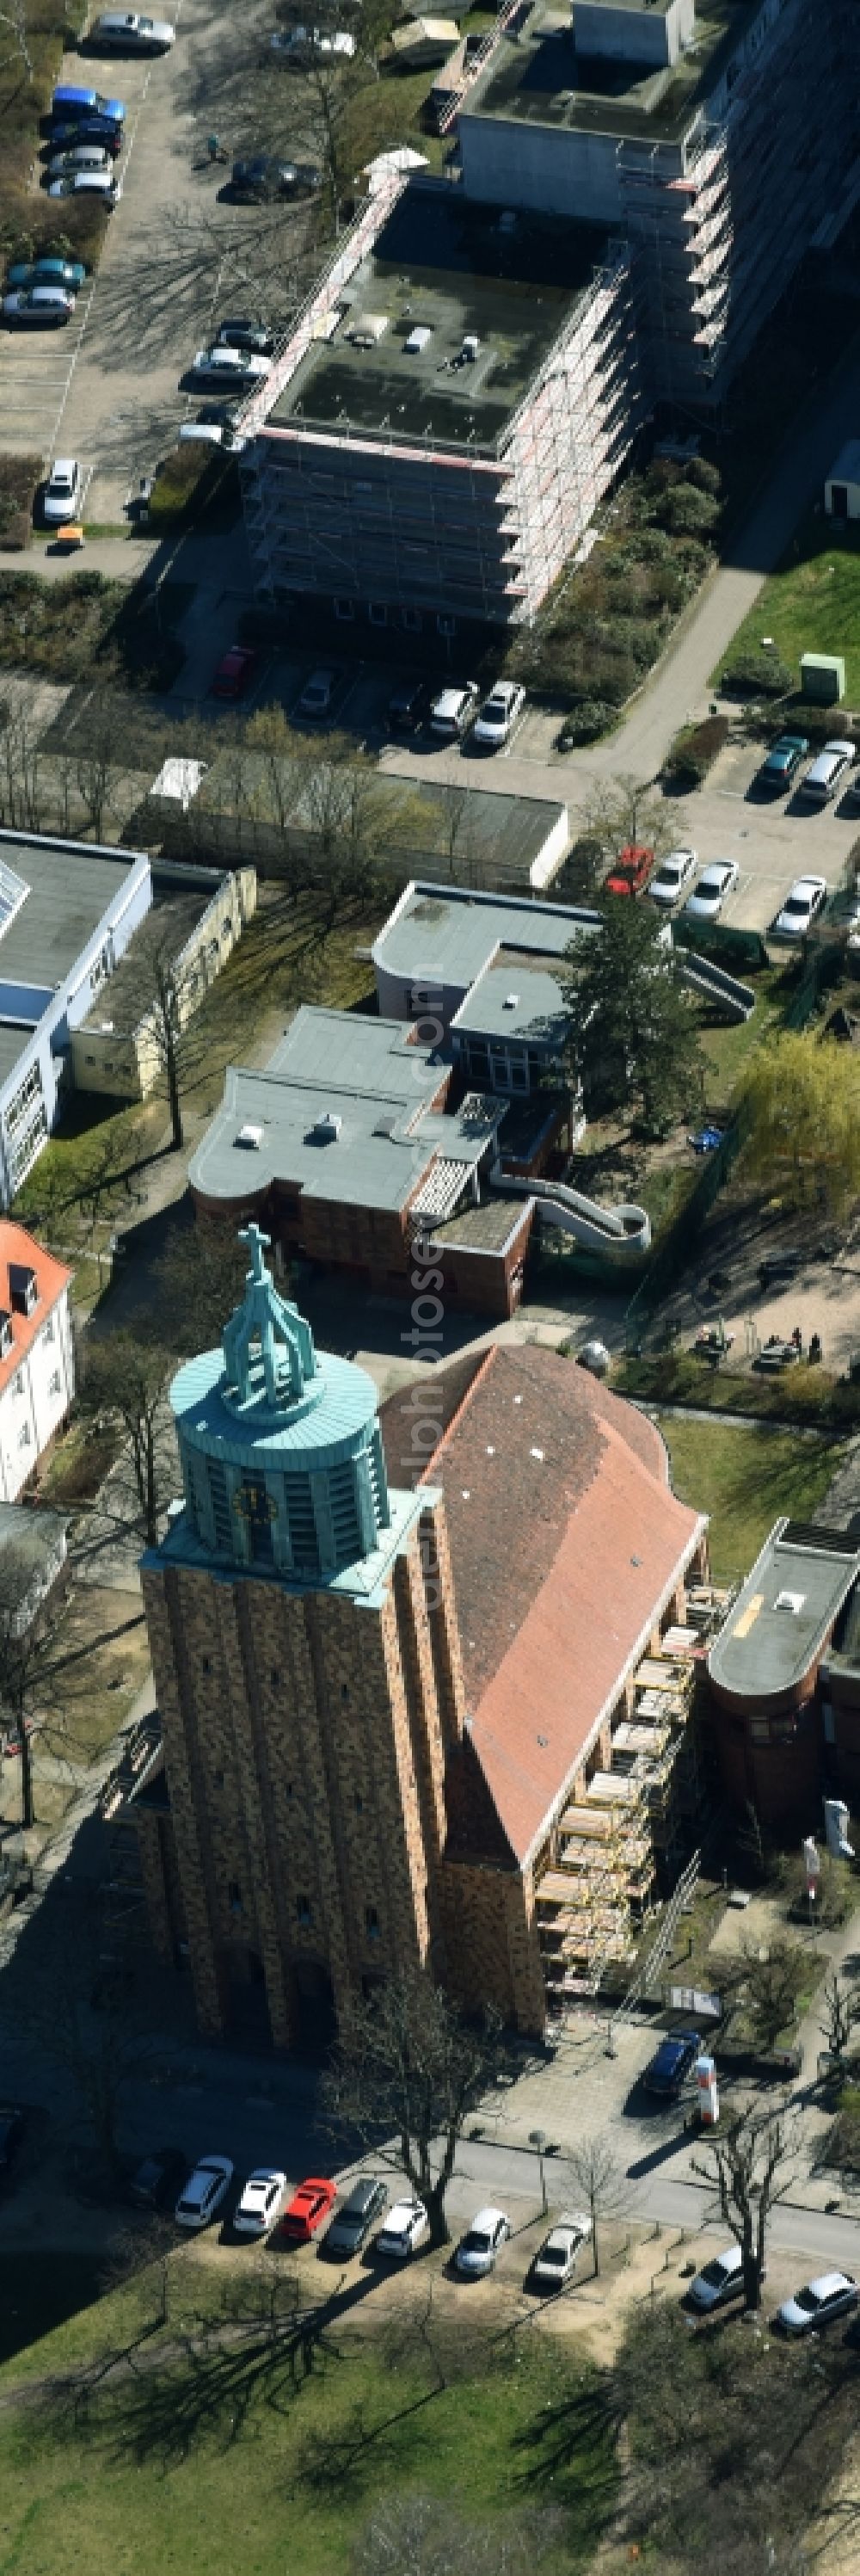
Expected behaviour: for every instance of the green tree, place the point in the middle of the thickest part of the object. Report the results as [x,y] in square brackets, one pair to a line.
[802,1106]
[407,2066]
[632,1029]
[624,810]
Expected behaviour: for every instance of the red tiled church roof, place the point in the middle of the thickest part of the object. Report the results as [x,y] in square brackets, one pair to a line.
[565,1538]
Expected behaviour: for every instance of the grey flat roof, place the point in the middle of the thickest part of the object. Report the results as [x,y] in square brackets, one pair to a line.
[451,933]
[512,1000]
[70,887]
[539,79]
[442,264]
[366,1074]
[786,1610]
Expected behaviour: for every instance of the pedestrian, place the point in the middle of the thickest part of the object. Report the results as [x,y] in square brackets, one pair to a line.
[213,146]
[797,1339]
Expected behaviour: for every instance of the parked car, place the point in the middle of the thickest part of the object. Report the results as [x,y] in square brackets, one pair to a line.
[69,538]
[715,883]
[205,2192]
[261,176]
[11,2134]
[301,45]
[120,32]
[499,714]
[801,907]
[68,100]
[262,2201]
[833,2294]
[235,671]
[159,2178]
[25,273]
[477,2251]
[352,2223]
[408,706]
[451,713]
[203,433]
[783,761]
[719,2280]
[672,876]
[307,2209]
[89,183]
[88,129]
[406,2227]
[62,492]
[630,872]
[317,694]
[45,305]
[556,2257]
[671,2064]
[83,156]
[246,334]
[228,366]
[828,773]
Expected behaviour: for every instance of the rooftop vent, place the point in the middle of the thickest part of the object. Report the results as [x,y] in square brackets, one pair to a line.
[251,1138]
[471,345]
[327,1128]
[510,1002]
[792,1601]
[418,338]
[367,329]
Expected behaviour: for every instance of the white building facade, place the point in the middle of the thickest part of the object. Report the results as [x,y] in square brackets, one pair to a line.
[37,1368]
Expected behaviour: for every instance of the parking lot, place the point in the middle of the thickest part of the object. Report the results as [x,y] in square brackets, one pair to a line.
[177,257]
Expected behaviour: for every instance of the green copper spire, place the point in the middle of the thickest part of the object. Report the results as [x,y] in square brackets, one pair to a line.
[268,1346]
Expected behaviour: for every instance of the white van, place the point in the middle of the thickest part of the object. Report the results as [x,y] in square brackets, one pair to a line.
[828,773]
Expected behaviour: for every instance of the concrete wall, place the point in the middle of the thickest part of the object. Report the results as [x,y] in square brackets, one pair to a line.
[650,36]
[550,169]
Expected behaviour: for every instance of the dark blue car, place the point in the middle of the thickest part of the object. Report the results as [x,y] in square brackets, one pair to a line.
[672,2063]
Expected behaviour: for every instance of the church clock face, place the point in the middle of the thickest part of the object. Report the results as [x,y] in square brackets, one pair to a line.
[254,1504]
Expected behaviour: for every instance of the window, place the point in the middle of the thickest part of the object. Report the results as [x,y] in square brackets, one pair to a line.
[304,1909]
[234,1896]
[218,1777]
[275,1676]
[54,1382]
[48,1334]
[288,1788]
[24,1436]
[344,610]
[359,1803]
[30,1090]
[411,621]
[344,1688]
[377,614]
[371,1923]
[206,1663]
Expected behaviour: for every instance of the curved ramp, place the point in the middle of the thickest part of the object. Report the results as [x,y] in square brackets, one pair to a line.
[621,1233]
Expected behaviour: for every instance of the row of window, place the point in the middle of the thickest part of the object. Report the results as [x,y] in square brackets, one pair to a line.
[305,1911]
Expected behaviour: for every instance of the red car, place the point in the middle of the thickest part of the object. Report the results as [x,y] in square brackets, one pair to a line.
[235,672]
[630,871]
[307,2209]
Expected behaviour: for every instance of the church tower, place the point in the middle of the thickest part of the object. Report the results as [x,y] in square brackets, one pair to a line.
[308,1700]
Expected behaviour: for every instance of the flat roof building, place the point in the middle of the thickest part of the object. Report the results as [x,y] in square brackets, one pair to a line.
[484,970]
[67,912]
[764,1668]
[447,413]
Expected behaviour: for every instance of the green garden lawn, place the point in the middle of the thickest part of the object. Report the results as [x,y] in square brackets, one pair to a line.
[745,1476]
[811,605]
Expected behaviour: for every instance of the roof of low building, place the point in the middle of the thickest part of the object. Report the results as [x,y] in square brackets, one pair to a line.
[786,1612]
[450,934]
[19,1248]
[565,1542]
[374,1091]
[536,76]
[511,1000]
[53,895]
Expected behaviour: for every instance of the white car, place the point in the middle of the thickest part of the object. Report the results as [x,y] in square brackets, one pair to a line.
[405,2228]
[832,2295]
[498,716]
[477,2250]
[715,883]
[451,713]
[229,366]
[801,907]
[62,497]
[39,304]
[556,2257]
[721,2279]
[262,2202]
[125,32]
[205,2192]
[828,773]
[89,183]
[309,41]
[673,874]
[317,694]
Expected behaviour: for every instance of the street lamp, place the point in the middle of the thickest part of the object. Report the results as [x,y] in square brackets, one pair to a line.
[538,2138]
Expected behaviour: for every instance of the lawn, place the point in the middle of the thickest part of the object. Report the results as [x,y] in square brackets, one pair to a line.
[744,1476]
[291,2482]
[812,604]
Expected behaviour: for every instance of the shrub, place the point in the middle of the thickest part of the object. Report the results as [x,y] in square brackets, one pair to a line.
[585,722]
[692,753]
[756,675]
[686,512]
[704,476]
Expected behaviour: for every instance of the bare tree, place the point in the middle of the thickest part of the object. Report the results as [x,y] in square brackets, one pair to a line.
[746,2170]
[28,1624]
[407,2063]
[772,1985]
[596,2178]
[842,2009]
[200,1277]
[125,1376]
[423,2535]
[622,811]
[14,18]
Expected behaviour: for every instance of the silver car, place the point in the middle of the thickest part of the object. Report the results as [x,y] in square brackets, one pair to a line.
[719,2280]
[715,883]
[834,2294]
[126,32]
[477,2250]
